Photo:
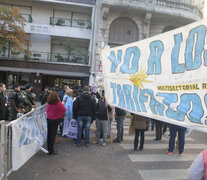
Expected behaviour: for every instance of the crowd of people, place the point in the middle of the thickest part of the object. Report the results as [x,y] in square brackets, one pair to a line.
[86,107]
[17,103]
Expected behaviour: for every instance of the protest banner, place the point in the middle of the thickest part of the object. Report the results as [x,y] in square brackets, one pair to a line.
[28,136]
[163,77]
[73,129]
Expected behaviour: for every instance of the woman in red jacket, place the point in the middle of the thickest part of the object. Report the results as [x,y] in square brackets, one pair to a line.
[55,112]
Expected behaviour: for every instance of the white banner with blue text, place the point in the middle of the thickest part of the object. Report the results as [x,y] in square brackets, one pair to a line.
[28,135]
[163,77]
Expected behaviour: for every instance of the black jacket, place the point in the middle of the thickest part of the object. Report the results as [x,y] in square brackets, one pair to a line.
[44,98]
[84,105]
[2,107]
[120,112]
[101,109]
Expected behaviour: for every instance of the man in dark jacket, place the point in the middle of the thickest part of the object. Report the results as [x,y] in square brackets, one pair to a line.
[120,115]
[61,93]
[17,101]
[102,119]
[46,94]
[29,100]
[84,110]
[2,101]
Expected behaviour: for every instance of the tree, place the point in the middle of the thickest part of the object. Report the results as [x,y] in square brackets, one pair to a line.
[12,35]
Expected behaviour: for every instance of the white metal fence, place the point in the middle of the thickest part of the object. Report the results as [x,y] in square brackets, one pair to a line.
[6,142]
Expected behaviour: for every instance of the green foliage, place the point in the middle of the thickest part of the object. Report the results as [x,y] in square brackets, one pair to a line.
[12,34]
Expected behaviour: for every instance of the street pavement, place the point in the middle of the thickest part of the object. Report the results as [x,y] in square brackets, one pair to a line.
[120,163]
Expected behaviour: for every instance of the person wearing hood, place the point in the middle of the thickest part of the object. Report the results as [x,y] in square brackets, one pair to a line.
[84,110]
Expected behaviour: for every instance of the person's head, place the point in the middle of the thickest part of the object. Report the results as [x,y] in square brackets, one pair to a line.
[46,89]
[69,92]
[86,89]
[49,90]
[16,87]
[2,87]
[66,87]
[28,88]
[53,98]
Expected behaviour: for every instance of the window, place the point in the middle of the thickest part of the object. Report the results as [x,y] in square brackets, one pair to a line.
[122,31]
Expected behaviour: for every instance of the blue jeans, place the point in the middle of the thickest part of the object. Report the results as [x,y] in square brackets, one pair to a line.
[181,135]
[83,122]
[101,126]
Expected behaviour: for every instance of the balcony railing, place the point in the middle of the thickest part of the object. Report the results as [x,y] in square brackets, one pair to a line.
[48,57]
[179,6]
[27,17]
[60,57]
[70,22]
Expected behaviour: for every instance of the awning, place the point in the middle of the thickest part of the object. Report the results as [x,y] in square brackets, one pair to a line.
[48,72]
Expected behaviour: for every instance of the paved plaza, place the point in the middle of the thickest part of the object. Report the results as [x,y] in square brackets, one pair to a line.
[121,163]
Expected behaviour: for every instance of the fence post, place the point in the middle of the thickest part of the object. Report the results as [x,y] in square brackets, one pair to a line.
[3,149]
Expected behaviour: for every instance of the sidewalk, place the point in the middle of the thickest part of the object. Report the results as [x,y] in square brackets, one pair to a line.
[83,163]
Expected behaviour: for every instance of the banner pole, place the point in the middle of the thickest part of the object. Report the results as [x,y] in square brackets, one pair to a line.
[112,147]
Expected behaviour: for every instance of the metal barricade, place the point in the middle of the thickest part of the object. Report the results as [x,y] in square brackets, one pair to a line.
[6,142]
[2,123]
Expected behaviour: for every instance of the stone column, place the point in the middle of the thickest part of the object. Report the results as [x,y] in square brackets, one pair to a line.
[146,25]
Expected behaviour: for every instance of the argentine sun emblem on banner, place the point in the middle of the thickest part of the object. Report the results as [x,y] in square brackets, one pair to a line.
[163,77]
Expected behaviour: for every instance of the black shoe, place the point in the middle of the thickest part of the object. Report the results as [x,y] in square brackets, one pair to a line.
[157,140]
[116,141]
[86,145]
[141,148]
[121,139]
[53,153]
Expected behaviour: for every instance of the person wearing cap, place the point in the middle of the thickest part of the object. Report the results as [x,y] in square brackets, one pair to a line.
[16,102]
[29,100]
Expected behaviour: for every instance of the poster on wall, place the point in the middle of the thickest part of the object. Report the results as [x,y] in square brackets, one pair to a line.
[163,77]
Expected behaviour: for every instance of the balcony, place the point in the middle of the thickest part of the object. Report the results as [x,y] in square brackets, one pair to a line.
[47,57]
[70,22]
[159,6]
[27,17]
[59,30]
[65,58]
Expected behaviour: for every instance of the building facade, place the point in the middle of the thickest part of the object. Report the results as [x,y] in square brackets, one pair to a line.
[61,44]
[123,21]
[66,35]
